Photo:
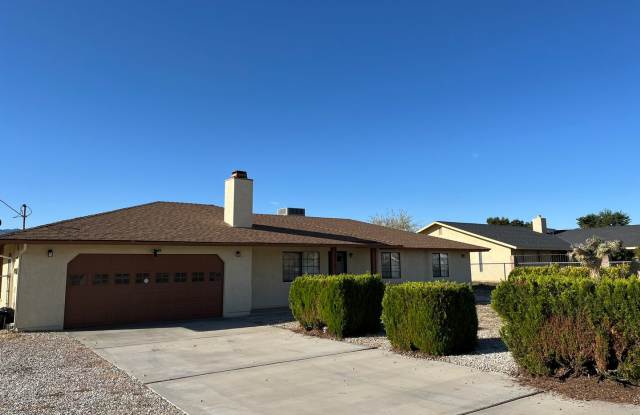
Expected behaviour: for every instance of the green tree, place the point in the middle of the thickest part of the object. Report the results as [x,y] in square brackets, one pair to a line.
[501,220]
[605,217]
[591,252]
[397,220]
[498,220]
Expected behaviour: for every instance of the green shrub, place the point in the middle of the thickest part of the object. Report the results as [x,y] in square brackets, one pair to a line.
[615,271]
[437,318]
[619,271]
[346,304]
[553,269]
[558,324]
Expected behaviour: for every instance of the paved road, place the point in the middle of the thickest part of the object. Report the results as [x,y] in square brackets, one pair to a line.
[234,366]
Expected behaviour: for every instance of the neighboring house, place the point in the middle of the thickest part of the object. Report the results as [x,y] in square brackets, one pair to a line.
[629,235]
[162,261]
[507,245]
[8,230]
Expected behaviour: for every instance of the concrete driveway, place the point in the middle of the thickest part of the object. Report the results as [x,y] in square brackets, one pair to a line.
[235,366]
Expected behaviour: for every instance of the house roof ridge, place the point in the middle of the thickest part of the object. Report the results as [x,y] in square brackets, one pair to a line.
[196,223]
[516,237]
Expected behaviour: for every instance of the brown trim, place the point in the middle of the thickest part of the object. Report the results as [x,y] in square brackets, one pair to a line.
[373,257]
[195,243]
[333,263]
[192,243]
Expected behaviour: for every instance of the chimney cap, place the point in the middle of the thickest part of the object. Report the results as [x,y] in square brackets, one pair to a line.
[239,174]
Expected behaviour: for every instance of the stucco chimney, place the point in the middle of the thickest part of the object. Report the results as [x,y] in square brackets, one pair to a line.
[539,224]
[238,200]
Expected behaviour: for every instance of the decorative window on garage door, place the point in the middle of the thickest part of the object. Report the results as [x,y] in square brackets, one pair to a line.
[180,277]
[162,277]
[121,279]
[100,279]
[76,279]
[142,277]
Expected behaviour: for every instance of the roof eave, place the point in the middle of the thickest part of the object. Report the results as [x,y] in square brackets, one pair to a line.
[471,234]
[201,243]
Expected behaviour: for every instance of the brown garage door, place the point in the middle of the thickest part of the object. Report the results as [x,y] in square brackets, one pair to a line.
[104,289]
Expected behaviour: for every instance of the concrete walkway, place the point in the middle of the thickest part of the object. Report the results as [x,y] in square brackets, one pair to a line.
[234,366]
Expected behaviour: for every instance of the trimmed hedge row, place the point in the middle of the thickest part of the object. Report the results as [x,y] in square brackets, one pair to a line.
[616,271]
[346,304]
[437,318]
[565,325]
[620,271]
[550,270]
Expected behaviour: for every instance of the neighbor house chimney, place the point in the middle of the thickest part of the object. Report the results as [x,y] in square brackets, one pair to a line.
[238,200]
[539,224]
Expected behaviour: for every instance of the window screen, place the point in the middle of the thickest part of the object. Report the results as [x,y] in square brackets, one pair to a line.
[440,265]
[390,264]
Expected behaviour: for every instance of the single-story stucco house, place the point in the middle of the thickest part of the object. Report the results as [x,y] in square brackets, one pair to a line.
[163,261]
[629,235]
[510,246]
[505,244]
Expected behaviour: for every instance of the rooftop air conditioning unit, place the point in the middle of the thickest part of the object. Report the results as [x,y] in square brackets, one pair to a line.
[291,211]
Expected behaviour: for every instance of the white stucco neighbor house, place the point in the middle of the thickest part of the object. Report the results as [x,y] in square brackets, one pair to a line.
[164,261]
[510,246]
[505,245]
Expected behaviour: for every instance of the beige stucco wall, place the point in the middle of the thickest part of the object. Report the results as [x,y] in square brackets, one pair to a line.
[10,270]
[41,283]
[415,265]
[4,278]
[253,279]
[268,288]
[491,266]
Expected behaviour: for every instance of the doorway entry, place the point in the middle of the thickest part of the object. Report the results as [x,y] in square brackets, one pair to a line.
[341,262]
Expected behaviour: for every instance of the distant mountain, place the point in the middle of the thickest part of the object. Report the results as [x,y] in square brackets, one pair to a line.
[7,230]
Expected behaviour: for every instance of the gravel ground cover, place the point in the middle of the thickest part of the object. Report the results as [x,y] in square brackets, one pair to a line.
[491,354]
[51,373]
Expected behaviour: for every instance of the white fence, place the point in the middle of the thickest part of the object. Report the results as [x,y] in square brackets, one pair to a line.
[497,271]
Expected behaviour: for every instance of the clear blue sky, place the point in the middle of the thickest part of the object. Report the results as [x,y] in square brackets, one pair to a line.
[453,110]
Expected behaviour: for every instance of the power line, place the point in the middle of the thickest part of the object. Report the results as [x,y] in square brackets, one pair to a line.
[24,212]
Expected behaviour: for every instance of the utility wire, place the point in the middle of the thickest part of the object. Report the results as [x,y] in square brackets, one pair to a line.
[22,213]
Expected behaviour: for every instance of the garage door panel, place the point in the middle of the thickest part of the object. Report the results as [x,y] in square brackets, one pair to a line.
[151,288]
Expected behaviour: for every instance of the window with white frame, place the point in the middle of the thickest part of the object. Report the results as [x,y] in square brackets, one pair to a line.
[295,264]
[440,265]
[390,262]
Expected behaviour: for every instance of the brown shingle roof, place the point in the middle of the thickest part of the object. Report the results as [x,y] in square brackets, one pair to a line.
[186,223]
